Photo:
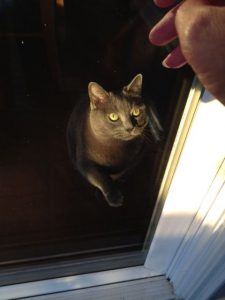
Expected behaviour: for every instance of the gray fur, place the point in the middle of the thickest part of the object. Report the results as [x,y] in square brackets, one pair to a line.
[102,149]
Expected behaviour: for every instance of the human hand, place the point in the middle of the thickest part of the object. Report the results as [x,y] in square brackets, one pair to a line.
[200,28]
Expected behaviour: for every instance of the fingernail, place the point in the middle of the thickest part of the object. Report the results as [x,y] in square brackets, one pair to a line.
[171,63]
[165,62]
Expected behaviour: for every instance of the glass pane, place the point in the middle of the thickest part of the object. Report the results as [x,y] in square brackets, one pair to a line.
[50,51]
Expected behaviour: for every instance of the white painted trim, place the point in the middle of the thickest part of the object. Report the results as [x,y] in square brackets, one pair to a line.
[63,284]
[144,289]
[198,268]
[189,242]
[173,224]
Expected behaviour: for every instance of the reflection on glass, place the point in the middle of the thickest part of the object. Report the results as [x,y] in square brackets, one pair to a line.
[50,51]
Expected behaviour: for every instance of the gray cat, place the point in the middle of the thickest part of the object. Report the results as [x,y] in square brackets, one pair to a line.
[106,136]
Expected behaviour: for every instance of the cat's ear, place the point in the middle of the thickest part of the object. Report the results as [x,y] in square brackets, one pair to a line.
[97,95]
[134,88]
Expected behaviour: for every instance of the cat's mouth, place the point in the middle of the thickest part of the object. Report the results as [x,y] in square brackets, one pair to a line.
[127,136]
[135,132]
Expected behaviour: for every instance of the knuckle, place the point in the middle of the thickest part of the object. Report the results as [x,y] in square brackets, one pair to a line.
[190,22]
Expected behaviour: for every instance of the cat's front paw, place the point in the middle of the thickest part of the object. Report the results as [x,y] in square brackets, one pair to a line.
[115,198]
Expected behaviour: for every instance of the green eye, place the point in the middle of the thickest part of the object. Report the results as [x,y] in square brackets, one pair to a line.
[136,112]
[113,117]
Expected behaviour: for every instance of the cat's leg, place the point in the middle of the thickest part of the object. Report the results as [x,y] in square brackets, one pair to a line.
[101,180]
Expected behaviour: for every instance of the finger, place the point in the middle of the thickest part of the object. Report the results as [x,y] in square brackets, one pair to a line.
[164,3]
[164,31]
[175,59]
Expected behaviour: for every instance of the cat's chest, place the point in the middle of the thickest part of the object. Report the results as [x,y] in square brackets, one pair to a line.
[112,154]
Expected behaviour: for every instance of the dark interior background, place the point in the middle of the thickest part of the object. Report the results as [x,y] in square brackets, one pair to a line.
[49,51]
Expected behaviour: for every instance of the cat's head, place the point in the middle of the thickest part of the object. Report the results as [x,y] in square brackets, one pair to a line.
[121,115]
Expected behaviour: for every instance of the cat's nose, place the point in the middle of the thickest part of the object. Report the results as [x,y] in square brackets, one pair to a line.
[129,128]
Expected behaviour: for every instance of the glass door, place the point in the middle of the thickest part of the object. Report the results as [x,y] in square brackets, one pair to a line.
[50,52]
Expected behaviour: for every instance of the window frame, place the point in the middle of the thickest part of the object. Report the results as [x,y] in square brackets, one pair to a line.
[162,252]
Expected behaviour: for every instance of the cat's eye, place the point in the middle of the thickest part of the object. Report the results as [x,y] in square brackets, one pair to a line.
[113,117]
[136,112]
